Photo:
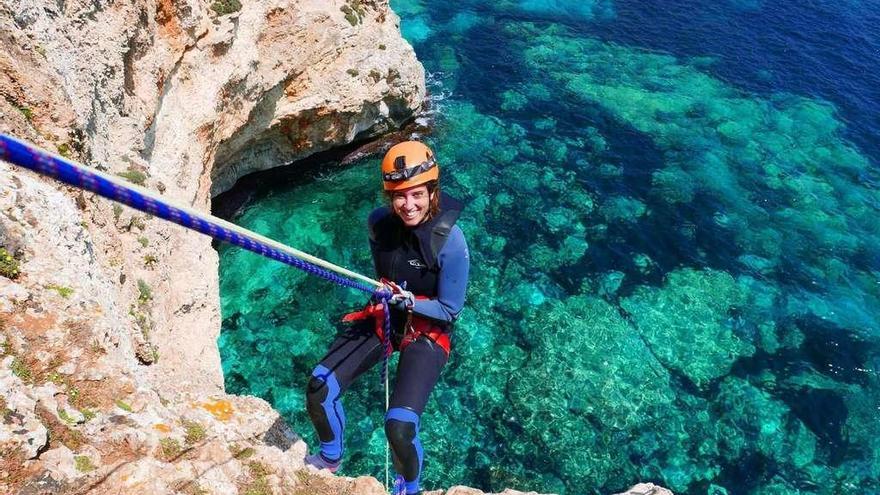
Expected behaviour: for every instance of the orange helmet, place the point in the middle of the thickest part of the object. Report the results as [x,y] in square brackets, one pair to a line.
[408,164]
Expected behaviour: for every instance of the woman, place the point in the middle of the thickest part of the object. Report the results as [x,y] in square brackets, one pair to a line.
[417,247]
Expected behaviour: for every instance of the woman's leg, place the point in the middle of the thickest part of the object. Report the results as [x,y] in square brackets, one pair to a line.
[353,352]
[417,373]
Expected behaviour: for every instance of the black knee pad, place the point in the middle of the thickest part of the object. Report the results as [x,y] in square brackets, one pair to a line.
[400,434]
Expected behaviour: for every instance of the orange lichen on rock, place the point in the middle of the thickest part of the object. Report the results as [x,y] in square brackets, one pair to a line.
[162,427]
[169,25]
[221,409]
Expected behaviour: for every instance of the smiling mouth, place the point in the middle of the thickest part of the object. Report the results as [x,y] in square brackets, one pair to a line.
[410,216]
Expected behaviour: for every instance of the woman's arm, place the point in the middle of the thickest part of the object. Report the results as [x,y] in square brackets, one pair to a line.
[454,262]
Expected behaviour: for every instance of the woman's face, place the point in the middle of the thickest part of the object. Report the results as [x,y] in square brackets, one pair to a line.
[411,205]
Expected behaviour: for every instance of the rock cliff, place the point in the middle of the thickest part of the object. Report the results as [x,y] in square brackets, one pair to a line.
[110,378]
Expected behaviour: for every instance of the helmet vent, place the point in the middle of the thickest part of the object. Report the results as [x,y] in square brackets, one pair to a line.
[400,162]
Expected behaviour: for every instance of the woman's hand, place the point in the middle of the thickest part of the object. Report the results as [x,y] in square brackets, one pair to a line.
[401,298]
[404,300]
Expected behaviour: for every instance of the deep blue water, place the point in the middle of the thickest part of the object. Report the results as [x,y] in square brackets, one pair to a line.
[827,50]
[674,246]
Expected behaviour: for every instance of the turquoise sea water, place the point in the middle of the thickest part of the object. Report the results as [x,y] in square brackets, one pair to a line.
[672,215]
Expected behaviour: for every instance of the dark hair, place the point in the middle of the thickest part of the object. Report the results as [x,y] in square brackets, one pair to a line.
[433,190]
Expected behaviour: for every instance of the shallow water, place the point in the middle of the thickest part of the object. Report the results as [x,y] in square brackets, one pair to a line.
[674,246]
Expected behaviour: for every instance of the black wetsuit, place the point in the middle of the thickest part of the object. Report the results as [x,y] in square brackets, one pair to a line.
[432,259]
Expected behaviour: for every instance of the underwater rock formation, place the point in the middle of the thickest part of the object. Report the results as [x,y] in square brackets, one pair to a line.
[727,337]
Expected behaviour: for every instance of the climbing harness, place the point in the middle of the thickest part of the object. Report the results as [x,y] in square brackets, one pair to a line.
[415,326]
[17,152]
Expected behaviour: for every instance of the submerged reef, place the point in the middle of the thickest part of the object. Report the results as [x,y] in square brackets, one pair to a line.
[772,173]
[576,9]
[687,324]
[672,279]
[420,21]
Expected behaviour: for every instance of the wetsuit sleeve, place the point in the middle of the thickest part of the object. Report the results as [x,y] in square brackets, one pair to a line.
[454,262]
[375,217]
[372,221]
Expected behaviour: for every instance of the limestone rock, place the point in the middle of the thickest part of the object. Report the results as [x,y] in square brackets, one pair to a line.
[185,100]
[20,428]
[11,294]
[310,99]
[646,489]
[60,463]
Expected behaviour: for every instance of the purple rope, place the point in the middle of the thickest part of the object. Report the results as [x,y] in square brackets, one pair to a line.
[386,335]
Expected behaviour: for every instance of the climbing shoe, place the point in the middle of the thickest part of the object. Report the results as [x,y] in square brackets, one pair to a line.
[399,486]
[319,462]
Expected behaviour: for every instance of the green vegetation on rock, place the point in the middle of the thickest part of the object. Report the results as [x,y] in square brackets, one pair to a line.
[123,405]
[83,463]
[62,291]
[134,176]
[145,294]
[9,266]
[225,7]
[354,12]
[170,448]
[194,432]
[21,369]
